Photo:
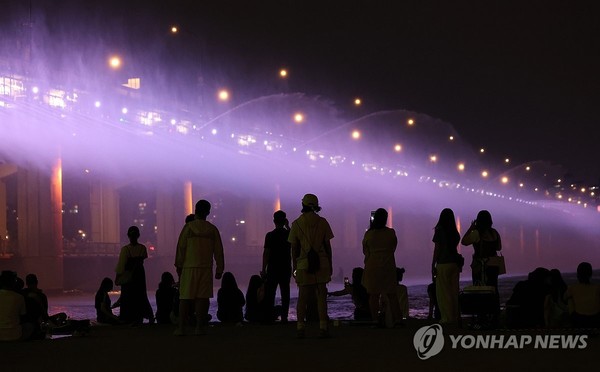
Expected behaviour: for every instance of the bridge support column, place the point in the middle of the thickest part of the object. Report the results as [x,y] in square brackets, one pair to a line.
[258,217]
[172,206]
[104,209]
[3,222]
[39,207]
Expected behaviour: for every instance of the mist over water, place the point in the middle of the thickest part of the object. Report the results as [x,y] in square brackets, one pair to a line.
[258,150]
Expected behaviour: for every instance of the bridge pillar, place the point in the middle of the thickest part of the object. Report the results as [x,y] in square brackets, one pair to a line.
[39,207]
[172,206]
[104,209]
[259,217]
[3,222]
[5,171]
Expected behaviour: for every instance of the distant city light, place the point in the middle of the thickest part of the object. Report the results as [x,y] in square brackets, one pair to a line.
[398,148]
[35,90]
[124,110]
[355,134]
[173,121]
[482,150]
[461,166]
[521,184]
[433,158]
[97,104]
[410,122]
[507,160]
[357,102]
[484,174]
[528,168]
[214,131]
[298,117]
[504,180]
[451,138]
[283,73]
[174,29]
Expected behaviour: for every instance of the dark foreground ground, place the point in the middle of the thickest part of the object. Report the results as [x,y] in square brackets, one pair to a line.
[275,348]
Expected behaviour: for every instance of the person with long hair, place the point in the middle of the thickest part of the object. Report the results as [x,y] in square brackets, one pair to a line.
[230,300]
[134,297]
[379,278]
[445,266]
[486,243]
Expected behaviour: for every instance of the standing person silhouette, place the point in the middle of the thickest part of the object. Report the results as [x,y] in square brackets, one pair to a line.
[379,278]
[277,265]
[311,232]
[444,266]
[486,242]
[134,297]
[198,245]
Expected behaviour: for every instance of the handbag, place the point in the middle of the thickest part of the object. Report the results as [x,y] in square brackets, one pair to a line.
[497,261]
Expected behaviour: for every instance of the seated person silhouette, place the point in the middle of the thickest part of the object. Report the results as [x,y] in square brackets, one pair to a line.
[167,297]
[102,303]
[12,310]
[230,300]
[584,299]
[525,307]
[359,294]
[256,303]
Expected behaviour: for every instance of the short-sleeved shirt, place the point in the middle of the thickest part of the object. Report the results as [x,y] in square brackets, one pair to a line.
[279,260]
[584,299]
[379,247]
[311,231]
[12,307]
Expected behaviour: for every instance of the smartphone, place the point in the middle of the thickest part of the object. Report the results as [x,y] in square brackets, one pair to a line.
[372,218]
[346,281]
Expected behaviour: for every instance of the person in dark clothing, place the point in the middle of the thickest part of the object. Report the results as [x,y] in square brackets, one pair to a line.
[230,300]
[525,308]
[255,301]
[277,266]
[134,298]
[359,294]
[167,296]
[102,303]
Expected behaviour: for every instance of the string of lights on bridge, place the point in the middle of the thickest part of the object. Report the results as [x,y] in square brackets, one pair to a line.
[14,90]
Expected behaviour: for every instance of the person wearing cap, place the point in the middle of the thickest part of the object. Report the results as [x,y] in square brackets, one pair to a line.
[198,245]
[311,232]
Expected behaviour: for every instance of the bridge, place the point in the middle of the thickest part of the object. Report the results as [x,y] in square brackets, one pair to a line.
[79,167]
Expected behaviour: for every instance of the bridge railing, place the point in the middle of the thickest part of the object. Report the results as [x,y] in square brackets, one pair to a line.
[91,249]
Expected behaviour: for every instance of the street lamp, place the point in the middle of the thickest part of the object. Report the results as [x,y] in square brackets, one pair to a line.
[298,118]
[114,62]
[223,95]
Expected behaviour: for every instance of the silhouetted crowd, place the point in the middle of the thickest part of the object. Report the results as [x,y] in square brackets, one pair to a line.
[303,251]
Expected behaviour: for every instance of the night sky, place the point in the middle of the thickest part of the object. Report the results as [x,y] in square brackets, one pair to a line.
[518,78]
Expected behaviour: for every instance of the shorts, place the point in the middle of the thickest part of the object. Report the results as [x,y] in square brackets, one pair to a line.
[195,283]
